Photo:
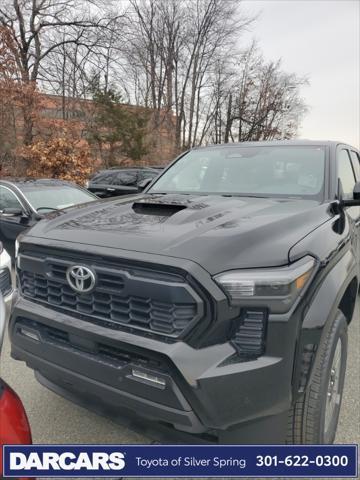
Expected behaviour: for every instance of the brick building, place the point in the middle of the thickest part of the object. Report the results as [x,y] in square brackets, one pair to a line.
[76,115]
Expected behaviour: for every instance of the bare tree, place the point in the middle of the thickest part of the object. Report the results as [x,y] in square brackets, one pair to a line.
[42,27]
[257,102]
[182,60]
[177,45]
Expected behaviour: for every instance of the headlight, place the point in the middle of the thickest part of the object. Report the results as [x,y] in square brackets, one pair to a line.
[275,288]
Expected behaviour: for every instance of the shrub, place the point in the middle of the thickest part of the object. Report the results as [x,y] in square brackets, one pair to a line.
[58,157]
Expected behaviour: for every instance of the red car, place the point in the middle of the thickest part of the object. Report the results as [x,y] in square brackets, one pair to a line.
[14,425]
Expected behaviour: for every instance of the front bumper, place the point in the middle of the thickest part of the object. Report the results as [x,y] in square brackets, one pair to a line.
[201,390]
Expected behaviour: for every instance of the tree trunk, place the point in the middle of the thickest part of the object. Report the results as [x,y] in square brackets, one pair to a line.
[229,120]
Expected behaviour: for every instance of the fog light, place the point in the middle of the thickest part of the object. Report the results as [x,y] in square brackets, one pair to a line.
[30,334]
[148,378]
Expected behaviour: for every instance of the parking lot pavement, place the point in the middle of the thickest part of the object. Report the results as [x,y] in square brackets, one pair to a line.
[55,420]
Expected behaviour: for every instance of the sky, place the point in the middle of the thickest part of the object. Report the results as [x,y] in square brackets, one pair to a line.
[321,40]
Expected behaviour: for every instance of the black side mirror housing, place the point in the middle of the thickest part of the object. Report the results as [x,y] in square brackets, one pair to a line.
[144,183]
[12,212]
[356,198]
[357,191]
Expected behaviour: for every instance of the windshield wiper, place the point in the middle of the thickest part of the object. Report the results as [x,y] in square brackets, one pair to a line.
[242,196]
[48,208]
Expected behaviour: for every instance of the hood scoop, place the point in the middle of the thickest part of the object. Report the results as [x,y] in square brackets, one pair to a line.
[157,208]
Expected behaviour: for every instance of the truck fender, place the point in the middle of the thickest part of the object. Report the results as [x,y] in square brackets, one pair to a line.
[319,317]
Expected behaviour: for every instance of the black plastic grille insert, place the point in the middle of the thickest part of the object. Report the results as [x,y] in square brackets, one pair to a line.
[120,298]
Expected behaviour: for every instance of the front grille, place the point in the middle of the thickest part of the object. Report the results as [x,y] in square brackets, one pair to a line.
[105,281]
[122,298]
[5,281]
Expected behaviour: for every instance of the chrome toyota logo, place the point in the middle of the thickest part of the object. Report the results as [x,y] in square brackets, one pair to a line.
[80,278]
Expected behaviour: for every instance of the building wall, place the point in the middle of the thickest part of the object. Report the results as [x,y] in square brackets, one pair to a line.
[54,113]
[76,113]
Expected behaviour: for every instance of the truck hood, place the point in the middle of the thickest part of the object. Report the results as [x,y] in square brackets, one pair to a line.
[217,232]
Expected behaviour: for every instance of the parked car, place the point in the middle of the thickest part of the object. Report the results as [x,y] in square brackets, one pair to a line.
[122,181]
[25,201]
[14,425]
[217,302]
[6,287]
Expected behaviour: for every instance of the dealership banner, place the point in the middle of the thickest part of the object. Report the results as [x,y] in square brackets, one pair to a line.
[180,461]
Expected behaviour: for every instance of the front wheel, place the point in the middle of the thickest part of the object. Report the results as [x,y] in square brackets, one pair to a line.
[314,417]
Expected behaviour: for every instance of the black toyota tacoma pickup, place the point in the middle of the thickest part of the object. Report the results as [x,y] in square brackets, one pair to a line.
[217,302]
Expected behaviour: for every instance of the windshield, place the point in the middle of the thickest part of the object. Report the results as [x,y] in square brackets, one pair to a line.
[56,197]
[260,171]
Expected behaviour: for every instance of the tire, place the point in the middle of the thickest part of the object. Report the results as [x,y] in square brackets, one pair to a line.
[314,417]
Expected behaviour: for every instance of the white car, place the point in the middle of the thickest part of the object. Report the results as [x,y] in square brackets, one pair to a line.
[2,320]
[6,284]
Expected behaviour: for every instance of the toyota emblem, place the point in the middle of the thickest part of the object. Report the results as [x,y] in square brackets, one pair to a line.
[80,278]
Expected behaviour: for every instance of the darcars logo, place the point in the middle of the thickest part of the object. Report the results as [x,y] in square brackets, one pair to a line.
[45,461]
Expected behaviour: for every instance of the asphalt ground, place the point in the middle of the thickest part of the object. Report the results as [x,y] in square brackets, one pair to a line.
[56,420]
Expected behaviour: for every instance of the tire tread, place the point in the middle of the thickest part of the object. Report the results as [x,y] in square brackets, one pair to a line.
[303,420]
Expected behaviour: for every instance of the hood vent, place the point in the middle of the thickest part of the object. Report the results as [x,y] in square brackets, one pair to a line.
[161,209]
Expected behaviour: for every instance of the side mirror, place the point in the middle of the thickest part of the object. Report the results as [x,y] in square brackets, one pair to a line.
[12,212]
[101,194]
[357,191]
[144,183]
[356,198]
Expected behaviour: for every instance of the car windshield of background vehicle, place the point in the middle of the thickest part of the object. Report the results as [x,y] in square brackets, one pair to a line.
[125,177]
[55,198]
[259,171]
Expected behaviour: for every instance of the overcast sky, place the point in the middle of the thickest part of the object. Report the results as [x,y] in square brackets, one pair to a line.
[319,39]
